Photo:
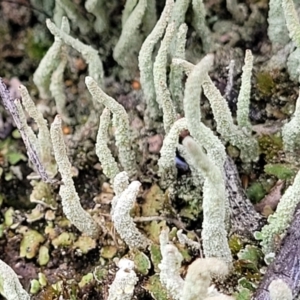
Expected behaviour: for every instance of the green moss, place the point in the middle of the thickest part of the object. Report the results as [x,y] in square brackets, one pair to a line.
[281,171]
[36,43]
[265,83]
[271,146]
[256,192]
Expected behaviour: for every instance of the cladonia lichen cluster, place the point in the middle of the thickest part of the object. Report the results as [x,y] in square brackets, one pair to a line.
[172,88]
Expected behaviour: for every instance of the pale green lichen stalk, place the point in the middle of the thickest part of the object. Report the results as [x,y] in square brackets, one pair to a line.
[70,199]
[291,130]
[292,21]
[145,60]
[167,152]
[120,121]
[10,286]
[49,63]
[163,96]
[130,37]
[176,72]
[281,219]
[199,276]
[43,137]
[214,235]
[108,163]
[90,55]
[192,111]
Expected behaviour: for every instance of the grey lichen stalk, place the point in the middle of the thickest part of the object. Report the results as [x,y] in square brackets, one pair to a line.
[199,23]
[70,9]
[70,199]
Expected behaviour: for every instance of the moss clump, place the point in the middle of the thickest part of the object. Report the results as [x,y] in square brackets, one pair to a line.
[265,83]
[271,146]
[281,171]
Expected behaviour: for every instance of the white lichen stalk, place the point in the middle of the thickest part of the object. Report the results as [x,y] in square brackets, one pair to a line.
[10,286]
[70,199]
[122,203]
[123,285]
[279,290]
[199,276]
[170,266]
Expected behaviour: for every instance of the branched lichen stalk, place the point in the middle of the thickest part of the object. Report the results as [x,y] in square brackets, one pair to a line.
[109,165]
[121,122]
[70,199]
[145,59]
